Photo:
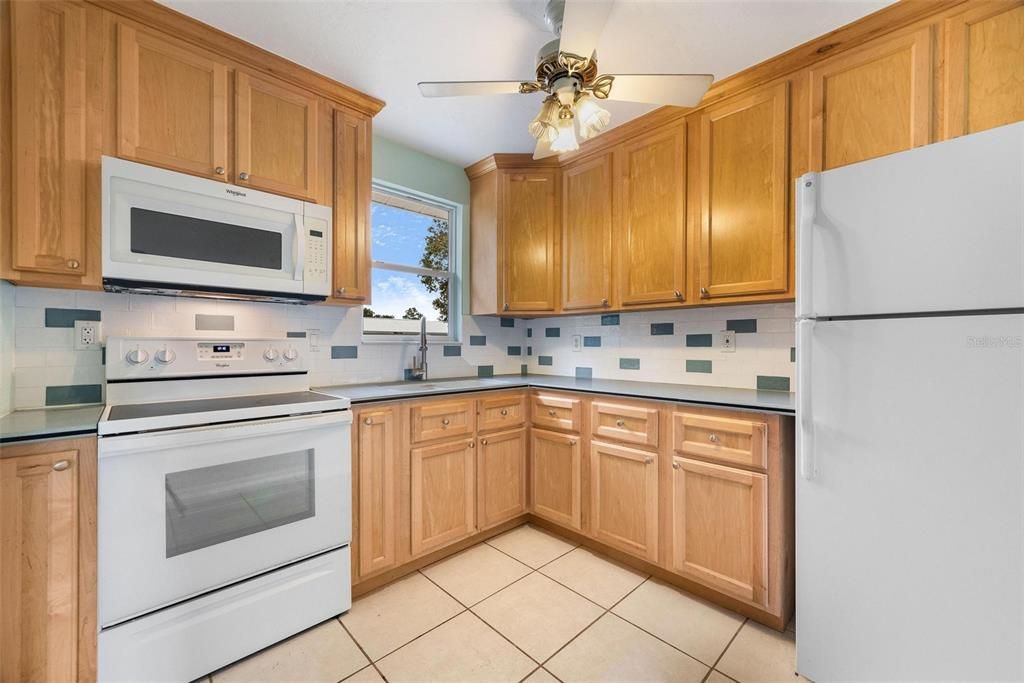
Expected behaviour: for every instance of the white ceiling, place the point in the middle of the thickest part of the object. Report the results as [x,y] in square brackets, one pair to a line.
[384,47]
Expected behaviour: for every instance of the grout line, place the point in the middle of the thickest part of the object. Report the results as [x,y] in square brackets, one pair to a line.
[726,649]
[432,628]
[365,654]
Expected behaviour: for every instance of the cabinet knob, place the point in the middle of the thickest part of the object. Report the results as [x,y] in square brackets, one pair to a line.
[713,438]
[73,264]
[505,307]
[61,465]
[484,442]
[243,176]
[504,412]
[604,302]
[552,412]
[446,422]
[678,294]
[219,170]
[472,444]
[572,442]
[648,460]
[340,291]
[368,421]
[676,466]
[704,293]
[620,423]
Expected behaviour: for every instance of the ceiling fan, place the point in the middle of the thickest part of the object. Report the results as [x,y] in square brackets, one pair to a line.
[567,72]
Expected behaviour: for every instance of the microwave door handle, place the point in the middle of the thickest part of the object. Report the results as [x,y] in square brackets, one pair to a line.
[299,247]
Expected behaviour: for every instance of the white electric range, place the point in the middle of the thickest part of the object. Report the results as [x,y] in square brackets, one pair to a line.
[225,507]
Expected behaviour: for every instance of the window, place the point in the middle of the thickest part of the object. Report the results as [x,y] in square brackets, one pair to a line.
[413,272]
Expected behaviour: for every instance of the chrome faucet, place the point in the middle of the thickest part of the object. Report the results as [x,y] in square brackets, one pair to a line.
[419,365]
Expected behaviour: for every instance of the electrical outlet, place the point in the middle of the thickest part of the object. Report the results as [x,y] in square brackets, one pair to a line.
[88,333]
[577,342]
[727,341]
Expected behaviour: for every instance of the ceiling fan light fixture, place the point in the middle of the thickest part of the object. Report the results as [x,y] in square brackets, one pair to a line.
[545,125]
[566,140]
[593,118]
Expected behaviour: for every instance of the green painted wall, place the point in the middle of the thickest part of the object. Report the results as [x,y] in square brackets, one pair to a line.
[406,167]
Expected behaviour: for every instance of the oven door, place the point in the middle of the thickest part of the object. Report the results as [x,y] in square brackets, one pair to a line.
[170,228]
[185,511]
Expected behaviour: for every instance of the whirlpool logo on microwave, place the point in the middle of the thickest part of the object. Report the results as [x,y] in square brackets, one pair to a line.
[236,193]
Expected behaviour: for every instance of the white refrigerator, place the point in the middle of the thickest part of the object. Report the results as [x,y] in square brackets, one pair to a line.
[910,390]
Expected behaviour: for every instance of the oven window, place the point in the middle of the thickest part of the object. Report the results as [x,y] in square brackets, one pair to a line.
[195,239]
[211,505]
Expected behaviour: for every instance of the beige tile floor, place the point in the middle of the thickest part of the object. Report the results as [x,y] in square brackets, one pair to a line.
[527,606]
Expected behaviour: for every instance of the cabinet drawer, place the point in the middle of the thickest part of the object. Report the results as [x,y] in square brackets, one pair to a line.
[441,419]
[557,412]
[625,423]
[731,440]
[501,412]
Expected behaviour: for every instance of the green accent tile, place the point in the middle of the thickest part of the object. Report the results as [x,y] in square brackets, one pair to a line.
[529,350]
[295,335]
[592,341]
[698,366]
[477,340]
[629,364]
[610,319]
[529,331]
[407,374]
[552,332]
[344,352]
[508,322]
[772,383]
[544,360]
[744,326]
[452,350]
[66,317]
[72,394]
[485,371]
[584,373]
[698,340]
[515,350]
[662,328]
[792,354]
[522,370]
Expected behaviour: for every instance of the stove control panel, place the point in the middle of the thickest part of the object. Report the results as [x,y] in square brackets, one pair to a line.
[150,357]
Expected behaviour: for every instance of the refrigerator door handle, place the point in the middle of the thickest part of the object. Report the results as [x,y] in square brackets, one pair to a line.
[804,414]
[807,208]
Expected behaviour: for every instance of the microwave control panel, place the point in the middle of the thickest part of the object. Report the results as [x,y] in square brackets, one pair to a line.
[317,251]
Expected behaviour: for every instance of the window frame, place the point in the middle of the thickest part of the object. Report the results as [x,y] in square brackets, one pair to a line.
[401,195]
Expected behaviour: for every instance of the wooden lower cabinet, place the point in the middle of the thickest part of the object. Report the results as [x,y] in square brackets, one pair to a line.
[376,459]
[47,563]
[624,498]
[720,527]
[501,477]
[443,492]
[555,477]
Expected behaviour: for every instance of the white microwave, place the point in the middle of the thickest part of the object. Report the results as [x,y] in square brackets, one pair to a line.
[175,234]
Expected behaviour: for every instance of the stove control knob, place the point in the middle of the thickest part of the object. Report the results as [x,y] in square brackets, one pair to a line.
[137,357]
[290,354]
[270,355]
[165,356]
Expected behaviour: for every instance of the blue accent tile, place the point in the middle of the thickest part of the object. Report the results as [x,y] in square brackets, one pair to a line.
[610,319]
[529,350]
[295,335]
[344,352]
[663,328]
[452,350]
[73,393]
[103,355]
[698,366]
[529,331]
[792,354]
[698,340]
[477,340]
[508,322]
[66,317]
[407,374]
[592,341]
[220,323]
[522,370]
[771,383]
[745,326]
[515,350]
[552,332]
[544,360]
[584,373]
[485,371]
[629,364]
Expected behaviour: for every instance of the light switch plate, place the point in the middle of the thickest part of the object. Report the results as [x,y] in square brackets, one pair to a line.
[314,339]
[727,341]
[88,334]
[577,342]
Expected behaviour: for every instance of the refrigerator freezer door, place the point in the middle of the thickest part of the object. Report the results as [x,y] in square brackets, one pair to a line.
[937,228]
[910,529]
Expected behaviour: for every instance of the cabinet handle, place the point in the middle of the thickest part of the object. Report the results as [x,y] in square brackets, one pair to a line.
[368,421]
[243,176]
[504,412]
[620,423]
[704,293]
[679,295]
[552,412]
[648,460]
[219,170]
[73,264]
[61,465]
[713,438]
[676,466]
[445,422]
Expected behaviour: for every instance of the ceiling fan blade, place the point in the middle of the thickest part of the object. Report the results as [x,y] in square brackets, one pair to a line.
[543,150]
[461,88]
[681,90]
[582,24]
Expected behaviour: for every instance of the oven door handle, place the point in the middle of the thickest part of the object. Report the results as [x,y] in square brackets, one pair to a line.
[299,247]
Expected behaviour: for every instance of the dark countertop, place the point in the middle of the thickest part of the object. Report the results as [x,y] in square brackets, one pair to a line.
[48,423]
[747,399]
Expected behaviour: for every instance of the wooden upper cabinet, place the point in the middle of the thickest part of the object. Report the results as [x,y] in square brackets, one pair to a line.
[377,467]
[744,152]
[501,477]
[443,494]
[352,188]
[276,141]
[871,101]
[984,61]
[649,240]
[529,240]
[624,498]
[172,105]
[48,137]
[587,234]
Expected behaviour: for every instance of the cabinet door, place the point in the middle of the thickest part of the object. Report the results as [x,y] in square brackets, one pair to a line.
[871,101]
[984,67]
[587,234]
[276,141]
[720,528]
[555,477]
[172,105]
[443,495]
[529,239]
[48,137]
[352,186]
[376,454]
[501,477]
[39,567]
[624,498]
[743,188]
